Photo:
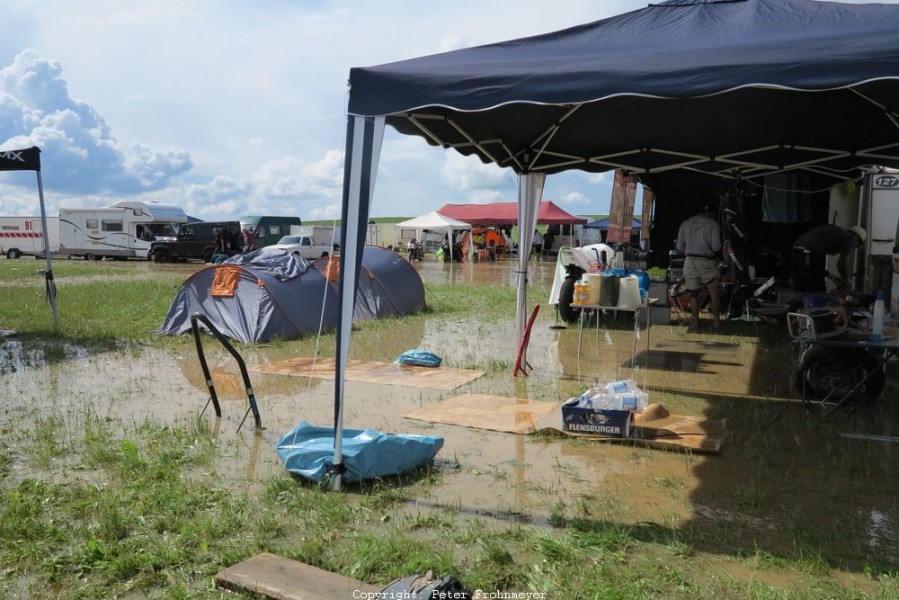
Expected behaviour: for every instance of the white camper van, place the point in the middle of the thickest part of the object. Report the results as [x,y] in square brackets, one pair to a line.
[124,230]
[24,236]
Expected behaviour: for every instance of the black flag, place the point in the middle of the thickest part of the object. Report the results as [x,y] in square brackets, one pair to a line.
[21,160]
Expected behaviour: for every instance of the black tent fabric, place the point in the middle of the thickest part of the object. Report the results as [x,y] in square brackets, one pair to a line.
[763,85]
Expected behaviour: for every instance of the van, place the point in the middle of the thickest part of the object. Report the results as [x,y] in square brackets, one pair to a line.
[268,230]
[196,241]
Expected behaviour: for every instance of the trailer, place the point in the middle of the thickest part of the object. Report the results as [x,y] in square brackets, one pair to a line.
[879,215]
[317,234]
[24,236]
[123,230]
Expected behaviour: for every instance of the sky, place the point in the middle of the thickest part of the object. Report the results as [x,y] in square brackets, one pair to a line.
[229,108]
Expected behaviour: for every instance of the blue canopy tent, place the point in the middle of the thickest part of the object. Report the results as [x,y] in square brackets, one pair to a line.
[723,88]
[604,224]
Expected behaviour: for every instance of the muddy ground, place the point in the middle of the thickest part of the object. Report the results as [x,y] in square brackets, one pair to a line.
[788,479]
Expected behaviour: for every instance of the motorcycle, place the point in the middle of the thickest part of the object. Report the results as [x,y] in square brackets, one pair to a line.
[457,252]
[416,251]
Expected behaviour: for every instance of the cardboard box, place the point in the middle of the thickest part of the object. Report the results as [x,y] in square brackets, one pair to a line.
[591,421]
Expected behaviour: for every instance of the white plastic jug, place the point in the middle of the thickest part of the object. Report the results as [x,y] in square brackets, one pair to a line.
[629,292]
[593,281]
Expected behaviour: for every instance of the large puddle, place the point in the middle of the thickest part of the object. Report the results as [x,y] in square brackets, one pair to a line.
[787,481]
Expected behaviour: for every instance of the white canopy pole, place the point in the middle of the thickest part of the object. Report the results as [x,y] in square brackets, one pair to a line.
[362,151]
[530,192]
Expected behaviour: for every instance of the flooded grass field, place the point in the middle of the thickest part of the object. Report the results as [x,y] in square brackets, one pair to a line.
[793,497]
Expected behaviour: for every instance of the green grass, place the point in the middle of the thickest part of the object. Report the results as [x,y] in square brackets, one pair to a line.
[101,303]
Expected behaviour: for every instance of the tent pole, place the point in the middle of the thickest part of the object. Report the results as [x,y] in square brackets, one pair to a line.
[50,283]
[530,192]
[362,151]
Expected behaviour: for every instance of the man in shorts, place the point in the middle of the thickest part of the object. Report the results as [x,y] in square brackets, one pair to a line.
[699,239]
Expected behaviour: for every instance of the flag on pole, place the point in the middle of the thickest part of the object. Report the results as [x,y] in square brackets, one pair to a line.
[621,217]
[21,160]
[29,159]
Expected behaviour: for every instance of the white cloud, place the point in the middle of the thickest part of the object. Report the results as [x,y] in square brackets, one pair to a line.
[232,108]
[78,152]
[472,177]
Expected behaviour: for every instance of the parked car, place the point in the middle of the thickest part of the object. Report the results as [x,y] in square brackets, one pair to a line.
[302,245]
[196,241]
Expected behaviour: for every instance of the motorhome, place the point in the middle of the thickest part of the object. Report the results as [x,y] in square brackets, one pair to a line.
[24,236]
[123,230]
[269,229]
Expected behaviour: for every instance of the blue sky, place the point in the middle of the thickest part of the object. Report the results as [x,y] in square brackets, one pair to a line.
[229,108]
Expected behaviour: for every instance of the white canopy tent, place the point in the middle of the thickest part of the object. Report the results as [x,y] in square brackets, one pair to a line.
[434,220]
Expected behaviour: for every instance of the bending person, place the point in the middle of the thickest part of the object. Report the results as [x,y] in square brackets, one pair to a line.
[808,260]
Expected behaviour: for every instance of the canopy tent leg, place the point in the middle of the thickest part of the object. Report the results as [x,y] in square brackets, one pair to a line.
[364,137]
[530,192]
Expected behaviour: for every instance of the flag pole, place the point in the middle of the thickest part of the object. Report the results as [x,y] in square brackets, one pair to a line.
[50,283]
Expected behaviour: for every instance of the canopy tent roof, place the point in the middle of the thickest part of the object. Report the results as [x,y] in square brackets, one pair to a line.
[604,224]
[759,85]
[433,220]
[506,213]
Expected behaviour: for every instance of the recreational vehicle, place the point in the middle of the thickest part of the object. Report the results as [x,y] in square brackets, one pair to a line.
[24,236]
[123,230]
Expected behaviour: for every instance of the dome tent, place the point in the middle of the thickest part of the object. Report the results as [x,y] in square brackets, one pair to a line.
[270,294]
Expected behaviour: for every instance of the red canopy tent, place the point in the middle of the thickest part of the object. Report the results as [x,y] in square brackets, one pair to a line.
[506,213]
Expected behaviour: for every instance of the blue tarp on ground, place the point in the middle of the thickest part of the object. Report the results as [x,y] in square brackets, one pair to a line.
[307,451]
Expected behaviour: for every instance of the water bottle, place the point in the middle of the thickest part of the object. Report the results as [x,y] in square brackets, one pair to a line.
[634,400]
[605,402]
[626,401]
[877,319]
[622,385]
[588,395]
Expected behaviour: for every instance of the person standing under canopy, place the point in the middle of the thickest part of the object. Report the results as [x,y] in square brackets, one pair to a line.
[699,239]
[538,243]
[808,259]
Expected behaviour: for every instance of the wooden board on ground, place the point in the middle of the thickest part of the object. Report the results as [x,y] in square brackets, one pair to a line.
[273,576]
[482,411]
[439,378]
[656,427]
